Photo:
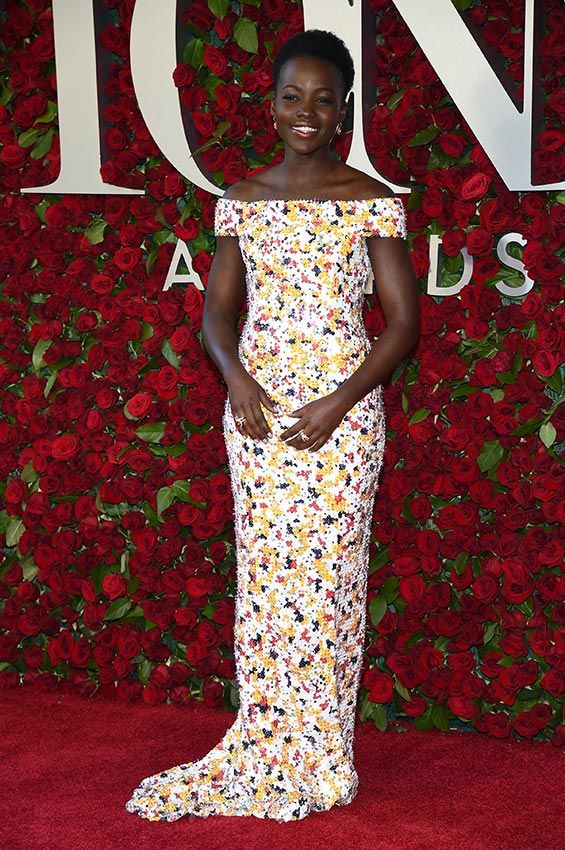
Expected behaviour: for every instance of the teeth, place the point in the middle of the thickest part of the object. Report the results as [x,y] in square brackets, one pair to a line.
[305,130]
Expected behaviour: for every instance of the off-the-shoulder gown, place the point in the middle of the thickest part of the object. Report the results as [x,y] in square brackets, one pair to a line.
[302,520]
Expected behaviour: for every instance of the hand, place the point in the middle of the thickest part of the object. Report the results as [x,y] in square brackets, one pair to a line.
[318,418]
[246,396]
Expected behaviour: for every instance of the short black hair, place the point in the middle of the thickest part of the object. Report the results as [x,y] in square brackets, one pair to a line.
[323,44]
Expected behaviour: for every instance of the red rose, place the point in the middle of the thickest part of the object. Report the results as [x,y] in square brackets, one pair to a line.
[205,123]
[138,405]
[113,585]
[452,144]
[228,97]
[127,258]
[433,202]
[12,156]
[381,689]
[213,693]
[518,584]
[184,75]
[546,362]
[479,241]
[215,59]
[475,187]
[65,447]
[452,241]
[552,139]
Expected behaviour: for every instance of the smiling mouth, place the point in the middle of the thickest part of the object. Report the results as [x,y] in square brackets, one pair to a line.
[304,131]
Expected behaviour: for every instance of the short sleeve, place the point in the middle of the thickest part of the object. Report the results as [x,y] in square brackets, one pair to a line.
[225,217]
[384,217]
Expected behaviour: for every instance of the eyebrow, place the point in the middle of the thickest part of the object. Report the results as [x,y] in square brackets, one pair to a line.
[320,88]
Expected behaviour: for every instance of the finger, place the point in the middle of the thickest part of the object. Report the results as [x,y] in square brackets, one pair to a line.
[300,443]
[264,425]
[255,417]
[317,445]
[269,402]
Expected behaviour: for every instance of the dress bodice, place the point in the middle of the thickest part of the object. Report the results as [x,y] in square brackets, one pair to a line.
[307,268]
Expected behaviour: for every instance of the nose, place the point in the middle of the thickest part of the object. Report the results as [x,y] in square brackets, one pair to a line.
[305,108]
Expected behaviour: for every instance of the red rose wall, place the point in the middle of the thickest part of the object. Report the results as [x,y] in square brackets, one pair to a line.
[118,562]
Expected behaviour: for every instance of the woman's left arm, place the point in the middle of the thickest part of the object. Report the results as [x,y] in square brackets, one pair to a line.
[397,288]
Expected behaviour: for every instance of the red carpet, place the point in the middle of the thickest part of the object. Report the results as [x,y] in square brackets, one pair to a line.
[68,764]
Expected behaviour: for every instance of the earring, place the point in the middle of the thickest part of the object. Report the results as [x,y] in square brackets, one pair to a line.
[274,122]
[338,128]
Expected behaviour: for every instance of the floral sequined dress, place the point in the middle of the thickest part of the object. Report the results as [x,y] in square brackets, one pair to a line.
[302,521]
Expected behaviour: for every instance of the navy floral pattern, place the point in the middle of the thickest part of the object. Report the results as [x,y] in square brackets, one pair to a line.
[302,521]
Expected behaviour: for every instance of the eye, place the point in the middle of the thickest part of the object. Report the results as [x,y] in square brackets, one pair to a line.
[326,100]
[288,96]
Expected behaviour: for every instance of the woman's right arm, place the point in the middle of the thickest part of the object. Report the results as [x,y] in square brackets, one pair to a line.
[222,303]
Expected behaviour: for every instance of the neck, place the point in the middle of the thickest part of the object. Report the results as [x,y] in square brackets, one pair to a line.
[310,169]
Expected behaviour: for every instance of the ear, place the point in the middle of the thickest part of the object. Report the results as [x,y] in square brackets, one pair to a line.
[343,110]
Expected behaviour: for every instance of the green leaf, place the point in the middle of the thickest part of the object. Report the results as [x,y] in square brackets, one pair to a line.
[29,137]
[424,136]
[170,354]
[50,382]
[554,382]
[117,609]
[460,563]
[378,714]
[49,114]
[399,688]
[14,530]
[39,350]
[394,100]
[43,146]
[245,34]
[377,609]
[180,489]
[194,53]
[210,84]
[461,5]
[219,7]
[528,427]
[490,456]
[365,711]
[151,432]
[165,497]
[490,632]
[95,233]
[419,416]
[380,560]
[29,569]
[5,94]
[151,258]
[439,717]
[547,434]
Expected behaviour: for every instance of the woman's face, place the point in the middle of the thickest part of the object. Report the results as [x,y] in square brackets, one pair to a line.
[308,103]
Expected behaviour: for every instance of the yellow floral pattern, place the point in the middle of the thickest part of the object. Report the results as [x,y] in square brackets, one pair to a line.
[302,521]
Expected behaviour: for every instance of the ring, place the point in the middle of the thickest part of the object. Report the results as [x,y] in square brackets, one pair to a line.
[240,419]
[304,436]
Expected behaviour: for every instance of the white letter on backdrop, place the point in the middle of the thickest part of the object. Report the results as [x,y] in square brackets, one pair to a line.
[153,60]
[504,133]
[79,133]
[512,263]
[347,22]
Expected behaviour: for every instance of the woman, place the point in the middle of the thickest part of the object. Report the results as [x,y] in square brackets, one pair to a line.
[305,431]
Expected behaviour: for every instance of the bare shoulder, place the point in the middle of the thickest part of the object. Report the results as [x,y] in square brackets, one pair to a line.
[253,188]
[239,191]
[361,186]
